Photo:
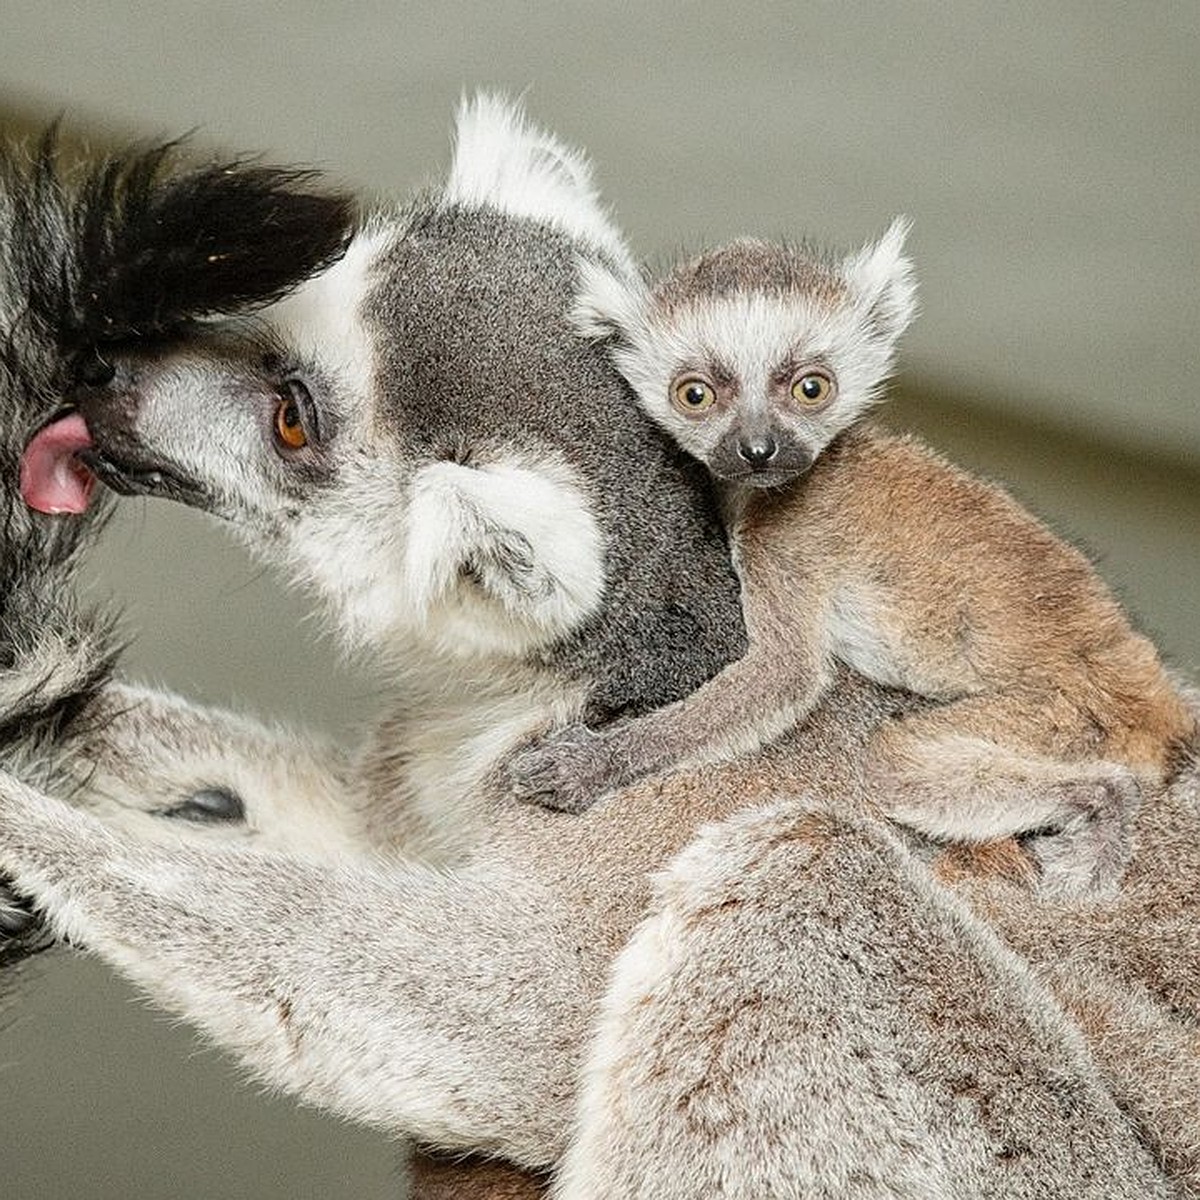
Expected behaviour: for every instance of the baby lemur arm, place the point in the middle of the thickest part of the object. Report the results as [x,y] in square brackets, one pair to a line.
[373,990]
[775,685]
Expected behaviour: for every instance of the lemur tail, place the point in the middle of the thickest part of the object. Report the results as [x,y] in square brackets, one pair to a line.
[129,248]
[138,245]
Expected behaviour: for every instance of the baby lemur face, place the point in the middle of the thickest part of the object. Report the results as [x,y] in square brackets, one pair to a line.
[756,355]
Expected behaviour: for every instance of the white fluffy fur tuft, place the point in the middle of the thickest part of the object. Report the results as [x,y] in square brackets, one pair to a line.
[607,303]
[503,161]
[504,549]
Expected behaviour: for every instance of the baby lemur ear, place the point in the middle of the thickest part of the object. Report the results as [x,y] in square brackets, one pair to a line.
[883,280]
[504,161]
[156,244]
[608,305]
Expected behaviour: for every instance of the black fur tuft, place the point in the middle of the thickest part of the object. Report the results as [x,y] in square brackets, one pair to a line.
[145,245]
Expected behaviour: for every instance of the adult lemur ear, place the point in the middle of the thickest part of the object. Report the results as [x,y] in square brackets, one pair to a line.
[883,281]
[149,244]
[609,305]
[503,161]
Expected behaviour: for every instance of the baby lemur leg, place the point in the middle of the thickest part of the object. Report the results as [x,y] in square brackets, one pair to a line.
[365,988]
[971,771]
[804,988]
[784,672]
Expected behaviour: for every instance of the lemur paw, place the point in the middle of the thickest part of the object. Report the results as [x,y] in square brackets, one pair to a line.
[1087,850]
[568,771]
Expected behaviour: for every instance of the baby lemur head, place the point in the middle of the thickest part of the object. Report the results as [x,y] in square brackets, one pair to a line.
[754,356]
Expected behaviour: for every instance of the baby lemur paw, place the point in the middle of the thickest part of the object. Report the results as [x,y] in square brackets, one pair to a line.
[1089,844]
[568,771]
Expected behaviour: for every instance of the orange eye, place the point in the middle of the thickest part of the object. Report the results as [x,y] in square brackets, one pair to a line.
[812,389]
[693,395]
[289,424]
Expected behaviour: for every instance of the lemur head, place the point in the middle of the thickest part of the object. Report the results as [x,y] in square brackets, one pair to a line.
[411,433]
[756,355]
[140,245]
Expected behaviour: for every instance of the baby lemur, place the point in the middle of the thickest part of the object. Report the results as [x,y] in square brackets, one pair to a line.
[1047,711]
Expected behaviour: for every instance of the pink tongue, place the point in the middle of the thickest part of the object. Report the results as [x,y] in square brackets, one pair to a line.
[53,480]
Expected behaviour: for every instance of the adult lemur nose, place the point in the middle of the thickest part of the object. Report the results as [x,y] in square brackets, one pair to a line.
[758,450]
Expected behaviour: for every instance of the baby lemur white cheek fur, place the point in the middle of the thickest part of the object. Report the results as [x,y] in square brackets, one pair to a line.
[1048,714]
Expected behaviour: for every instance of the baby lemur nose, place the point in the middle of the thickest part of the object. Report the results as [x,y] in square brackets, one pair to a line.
[758,451]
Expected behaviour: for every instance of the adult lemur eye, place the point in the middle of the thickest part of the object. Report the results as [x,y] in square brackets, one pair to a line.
[812,389]
[291,415]
[693,395]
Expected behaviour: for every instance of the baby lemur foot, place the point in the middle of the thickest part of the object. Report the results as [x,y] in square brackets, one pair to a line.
[1086,845]
[1077,828]
[567,771]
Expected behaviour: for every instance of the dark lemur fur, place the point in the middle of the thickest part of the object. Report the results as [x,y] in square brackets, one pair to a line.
[130,248]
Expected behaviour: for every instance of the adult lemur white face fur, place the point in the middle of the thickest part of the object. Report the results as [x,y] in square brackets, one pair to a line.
[755,356]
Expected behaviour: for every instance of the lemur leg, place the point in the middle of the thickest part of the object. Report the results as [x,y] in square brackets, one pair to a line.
[971,771]
[165,768]
[447,1007]
[807,1013]
[785,671]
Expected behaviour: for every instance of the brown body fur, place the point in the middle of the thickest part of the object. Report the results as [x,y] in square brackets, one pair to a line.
[958,594]
[979,604]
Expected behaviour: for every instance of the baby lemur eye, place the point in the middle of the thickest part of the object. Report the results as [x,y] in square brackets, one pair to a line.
[812,389]
[292,415]
[693,395]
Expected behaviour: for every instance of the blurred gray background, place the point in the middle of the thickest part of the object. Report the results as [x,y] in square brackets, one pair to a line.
[1049,156]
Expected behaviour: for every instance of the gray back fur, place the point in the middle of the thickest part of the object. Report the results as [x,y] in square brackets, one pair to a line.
[660,631]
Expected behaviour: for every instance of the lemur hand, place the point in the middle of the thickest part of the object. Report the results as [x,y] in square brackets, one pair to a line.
[568,771]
